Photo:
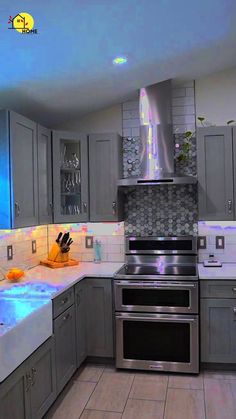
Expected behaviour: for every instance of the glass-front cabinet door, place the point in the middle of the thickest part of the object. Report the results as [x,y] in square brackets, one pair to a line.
[70,177]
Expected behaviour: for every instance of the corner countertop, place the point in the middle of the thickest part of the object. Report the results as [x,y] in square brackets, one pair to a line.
[64,278]
[227,271]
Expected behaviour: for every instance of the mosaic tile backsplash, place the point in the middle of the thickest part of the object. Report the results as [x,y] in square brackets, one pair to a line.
[161,210]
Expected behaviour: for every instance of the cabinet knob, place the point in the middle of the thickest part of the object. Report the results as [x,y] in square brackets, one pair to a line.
[229,206]
[28,381]
[114,207]
[66,317]
[85,206]
[234,289]
[51,207]
[234,310]
[17,208]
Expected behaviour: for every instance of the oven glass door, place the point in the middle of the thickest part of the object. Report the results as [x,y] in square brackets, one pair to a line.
[156,297]
[157,342]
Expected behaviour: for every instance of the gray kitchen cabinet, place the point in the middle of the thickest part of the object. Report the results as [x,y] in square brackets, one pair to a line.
[18,171]
[65,347]
[44,175]
[105,168]
[215,173]
[218,330]
[99,317]
[41,366]
[70,177]
[31,389]
[14,396]
[81,331]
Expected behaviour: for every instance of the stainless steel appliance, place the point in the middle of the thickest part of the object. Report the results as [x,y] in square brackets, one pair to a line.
[157,305]
[157,143]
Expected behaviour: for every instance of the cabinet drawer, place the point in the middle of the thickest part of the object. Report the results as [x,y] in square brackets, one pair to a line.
[218,289]
[63,301]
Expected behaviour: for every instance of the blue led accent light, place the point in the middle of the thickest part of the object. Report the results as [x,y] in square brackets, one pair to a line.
[31,290]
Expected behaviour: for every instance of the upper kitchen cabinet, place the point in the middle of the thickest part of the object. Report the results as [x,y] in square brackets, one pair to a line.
[18,171]
[70,177]
[45,175]
[105,168]
[215,173]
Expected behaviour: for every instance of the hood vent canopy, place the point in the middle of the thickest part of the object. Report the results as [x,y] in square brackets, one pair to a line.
[157,154]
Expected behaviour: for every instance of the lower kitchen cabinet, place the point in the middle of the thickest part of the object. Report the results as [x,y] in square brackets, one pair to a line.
[31,389]
[14,396]
[43,379]
[218,321]
[81,330]
[99,317]
[65,347]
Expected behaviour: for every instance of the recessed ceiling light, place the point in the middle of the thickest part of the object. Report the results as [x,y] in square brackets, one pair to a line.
[119,60]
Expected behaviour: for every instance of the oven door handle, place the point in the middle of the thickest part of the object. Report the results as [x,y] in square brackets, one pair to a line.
[157,319]
[154,285]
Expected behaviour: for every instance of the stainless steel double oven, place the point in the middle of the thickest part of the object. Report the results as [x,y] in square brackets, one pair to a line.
[157,305]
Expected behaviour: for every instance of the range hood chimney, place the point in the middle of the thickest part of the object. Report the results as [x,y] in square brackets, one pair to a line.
[157,154]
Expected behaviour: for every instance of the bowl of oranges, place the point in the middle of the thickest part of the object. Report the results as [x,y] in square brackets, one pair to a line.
[13,274]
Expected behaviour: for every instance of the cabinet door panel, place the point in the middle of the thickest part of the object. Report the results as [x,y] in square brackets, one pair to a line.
[41,366]
[81,332]
[23,140]
[99,317]
[14,399]
[218,330]
[215,173]
[64,329]
[105,168]
[70,177]
[44,175]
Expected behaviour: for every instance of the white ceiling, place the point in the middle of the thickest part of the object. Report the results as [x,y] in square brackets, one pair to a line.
[66,70]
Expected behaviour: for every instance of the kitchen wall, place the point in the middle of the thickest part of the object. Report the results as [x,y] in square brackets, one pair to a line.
[21,240]
[106,120]
[211,229]
[216,96]
[163,210]
[111,236]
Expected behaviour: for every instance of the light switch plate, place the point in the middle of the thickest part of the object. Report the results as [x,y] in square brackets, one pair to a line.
[89,242]
[201,241]
[9,252]
[34,247]
[220,242]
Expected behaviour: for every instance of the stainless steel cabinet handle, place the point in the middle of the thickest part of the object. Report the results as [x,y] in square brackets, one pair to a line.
[229,206]
[33,370]
[234,310]
[114,207]
[28,381]
[17,207]
[85,206]
[234,289]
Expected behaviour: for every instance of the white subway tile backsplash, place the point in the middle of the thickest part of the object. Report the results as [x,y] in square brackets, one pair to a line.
[131,123]
[183,119]
[131,105]
[183,101]
[179,92]
[183,110]
[190,91]
[135,132]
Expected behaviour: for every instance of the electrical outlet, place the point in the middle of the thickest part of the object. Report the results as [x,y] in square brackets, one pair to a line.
[34,247]
[201,240]
[89,242]
[9,252]
[220,242]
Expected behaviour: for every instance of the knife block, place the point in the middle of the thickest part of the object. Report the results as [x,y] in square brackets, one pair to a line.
[56,255]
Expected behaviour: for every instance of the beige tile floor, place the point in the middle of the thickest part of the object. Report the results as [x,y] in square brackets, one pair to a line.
[101,392]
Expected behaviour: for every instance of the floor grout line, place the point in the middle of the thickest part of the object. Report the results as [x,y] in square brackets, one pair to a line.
[128,395]
[165,401]
[91,393]
[204,397]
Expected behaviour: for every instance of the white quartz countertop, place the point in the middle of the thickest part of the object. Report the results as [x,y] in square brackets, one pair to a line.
[227,271]
[64,278]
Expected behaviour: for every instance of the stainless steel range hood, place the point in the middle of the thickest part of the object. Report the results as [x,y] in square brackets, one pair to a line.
[157,153]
